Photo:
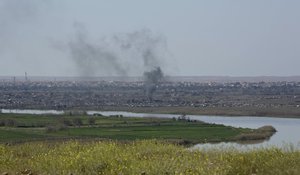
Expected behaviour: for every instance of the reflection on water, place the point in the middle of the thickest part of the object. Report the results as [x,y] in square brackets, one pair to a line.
[288,129]
[30,111]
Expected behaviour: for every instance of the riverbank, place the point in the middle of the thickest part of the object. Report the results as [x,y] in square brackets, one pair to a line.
[282,112]
[25,127]
[279,112]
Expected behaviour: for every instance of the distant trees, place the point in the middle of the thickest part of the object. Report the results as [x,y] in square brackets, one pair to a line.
[2,123]
[77,122]
[66,122]
[92,121]
[73,122]
[183,117]
[56,128]
[8,122]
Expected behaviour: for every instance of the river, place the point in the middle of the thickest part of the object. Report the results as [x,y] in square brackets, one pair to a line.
[287,135]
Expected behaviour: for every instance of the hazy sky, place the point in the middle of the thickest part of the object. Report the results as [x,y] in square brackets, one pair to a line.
[110,37]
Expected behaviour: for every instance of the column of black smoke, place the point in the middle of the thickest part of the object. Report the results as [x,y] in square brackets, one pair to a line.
[152,80]
[150,48]
[143,45]
[154,76]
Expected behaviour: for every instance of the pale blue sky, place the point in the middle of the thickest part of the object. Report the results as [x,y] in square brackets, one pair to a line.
[232,37]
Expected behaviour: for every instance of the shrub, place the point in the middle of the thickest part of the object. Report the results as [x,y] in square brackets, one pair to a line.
[2,123]
[92,120]
[77,122]
[52,128]
[66,122]
[10,123]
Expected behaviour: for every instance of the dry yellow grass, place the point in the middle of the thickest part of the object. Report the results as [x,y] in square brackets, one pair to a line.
[141,157]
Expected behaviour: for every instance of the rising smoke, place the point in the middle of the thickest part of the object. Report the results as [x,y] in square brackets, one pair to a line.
[152,80]
[90,57]
[143,45]
[151,49]
[120,55]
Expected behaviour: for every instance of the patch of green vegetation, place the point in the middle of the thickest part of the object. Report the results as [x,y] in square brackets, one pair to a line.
[33,127]
[15,135]
[194,132]
[26,120]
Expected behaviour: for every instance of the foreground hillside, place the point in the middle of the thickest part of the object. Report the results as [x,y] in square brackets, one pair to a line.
[141,157]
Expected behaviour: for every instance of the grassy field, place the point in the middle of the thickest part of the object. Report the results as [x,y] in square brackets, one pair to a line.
[22,128]
[142,157]
[196,133]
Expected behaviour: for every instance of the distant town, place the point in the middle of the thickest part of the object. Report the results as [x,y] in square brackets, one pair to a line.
[64,95]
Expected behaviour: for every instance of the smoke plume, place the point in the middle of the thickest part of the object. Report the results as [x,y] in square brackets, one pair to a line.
[145,45]
[120,55]
[91,58]
[151,48]
[152,79]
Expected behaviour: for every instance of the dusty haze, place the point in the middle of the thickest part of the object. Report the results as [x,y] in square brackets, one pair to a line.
[113,38]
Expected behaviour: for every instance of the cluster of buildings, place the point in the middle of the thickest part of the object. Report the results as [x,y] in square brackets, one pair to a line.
[97,94]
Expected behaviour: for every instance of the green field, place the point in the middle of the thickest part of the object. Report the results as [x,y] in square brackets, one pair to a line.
[176,131]
[142,157]
[52,144]
[22,128]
